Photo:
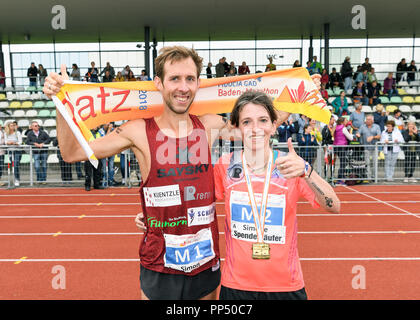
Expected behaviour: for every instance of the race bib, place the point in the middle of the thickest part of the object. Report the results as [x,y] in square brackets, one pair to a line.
[189,251]
[242,219]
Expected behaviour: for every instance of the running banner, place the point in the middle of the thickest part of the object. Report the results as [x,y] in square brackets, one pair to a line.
[87,105]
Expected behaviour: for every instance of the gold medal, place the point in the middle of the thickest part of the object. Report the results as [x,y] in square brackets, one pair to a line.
[260,250]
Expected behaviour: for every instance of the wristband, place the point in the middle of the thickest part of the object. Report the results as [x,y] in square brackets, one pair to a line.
[306,169]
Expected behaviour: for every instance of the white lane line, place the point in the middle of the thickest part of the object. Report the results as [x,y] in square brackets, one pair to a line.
[222,259]
[384,202]
[140,233]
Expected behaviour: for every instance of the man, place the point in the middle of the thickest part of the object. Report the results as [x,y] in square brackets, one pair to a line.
[39,139]
[335,79]
[107,77]
[220,69]
[373,94]
[366,65]
[370,134]
[362,76]
[346,74]
[108,68]
[359,94]
[316,66]
[32,74]
[401,69]
[243,69]
[180,252]
[92,173]
[411,71]
[390,85]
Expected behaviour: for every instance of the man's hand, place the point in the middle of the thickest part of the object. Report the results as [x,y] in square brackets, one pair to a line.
[139,222]
[291,165]
[54,82]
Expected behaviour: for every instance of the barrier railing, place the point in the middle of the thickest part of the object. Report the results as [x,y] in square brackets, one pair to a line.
[350,164]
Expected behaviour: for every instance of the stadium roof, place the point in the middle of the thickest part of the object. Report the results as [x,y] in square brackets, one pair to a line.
[188,20]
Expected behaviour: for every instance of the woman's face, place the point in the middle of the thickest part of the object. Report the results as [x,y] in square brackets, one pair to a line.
[256,127]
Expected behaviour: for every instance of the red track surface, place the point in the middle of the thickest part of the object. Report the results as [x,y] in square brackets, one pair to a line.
[93,236]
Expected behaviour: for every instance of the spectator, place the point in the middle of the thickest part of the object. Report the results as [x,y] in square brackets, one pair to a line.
[391,136]
[335,79]
[286,130]
[270,66]
[42,74]
[366,65]
[231,73]
[324,77]
[109,68]
[398,119]
[107,176]
[130,76]
[411,136]
[324,92]
[2,152]
[144,76]
[32,75]
[357,117]
[370,134]
[340,105]
[346,74]
[316,66]
[373,94]
[390,86]
[232,67]
[243,69]
[220,69]
[119,77]
[13,138]
[401,69]
[341,139]
[296,64]
[302,121]
[359,70]
[362,76]
[359,94]
[307,142]
[125,71]
[411,71]
[75,73]
[309,68]
[91,172]
[314,130]
[39,139]
[107,77]
[2,78]
[65,167]
[226,66]
[372,77]
[380,116]
[93,73]
[327,141]
[208,71]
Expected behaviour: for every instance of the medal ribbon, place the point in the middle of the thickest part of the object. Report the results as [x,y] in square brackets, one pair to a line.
[259,217]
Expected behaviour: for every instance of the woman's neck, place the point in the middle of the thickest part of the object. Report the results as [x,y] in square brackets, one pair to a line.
[257,160]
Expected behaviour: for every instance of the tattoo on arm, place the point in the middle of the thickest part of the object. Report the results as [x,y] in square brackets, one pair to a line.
[317,189]
[328,202]
[118,130]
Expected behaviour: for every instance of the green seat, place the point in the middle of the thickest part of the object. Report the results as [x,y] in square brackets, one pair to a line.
[31,88]
[25,158]
[50,104]
[53,113]
[44,113]
[395,100]
[384,99]
[39,104]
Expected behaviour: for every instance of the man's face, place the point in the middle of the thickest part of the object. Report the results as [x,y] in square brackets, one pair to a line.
[35,126]
[369,121]
[179,85]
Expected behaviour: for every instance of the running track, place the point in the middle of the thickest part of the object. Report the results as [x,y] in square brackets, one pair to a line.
[91,236]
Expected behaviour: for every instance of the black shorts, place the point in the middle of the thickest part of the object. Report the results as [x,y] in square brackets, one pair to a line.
[165,286]
[234,294]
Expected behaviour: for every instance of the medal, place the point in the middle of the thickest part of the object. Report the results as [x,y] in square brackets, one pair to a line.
[260,250]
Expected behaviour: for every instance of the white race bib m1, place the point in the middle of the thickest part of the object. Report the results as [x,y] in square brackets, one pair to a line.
[189,251]
[242,220]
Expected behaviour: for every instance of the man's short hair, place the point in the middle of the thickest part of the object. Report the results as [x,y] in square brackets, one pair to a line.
[176,53]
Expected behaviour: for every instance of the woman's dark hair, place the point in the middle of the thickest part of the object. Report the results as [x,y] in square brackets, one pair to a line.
[255,97]
[340,121]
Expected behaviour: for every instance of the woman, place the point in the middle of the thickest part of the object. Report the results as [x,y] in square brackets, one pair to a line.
[131,76]
[13,138]
[380,116]
[341,139]
[119,77]
[307,142]
[42,74]
[262,262]
[391,135]
[340,105]
[411,136]
[75,72]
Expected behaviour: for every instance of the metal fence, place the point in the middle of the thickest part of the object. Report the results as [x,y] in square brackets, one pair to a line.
[351,164]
